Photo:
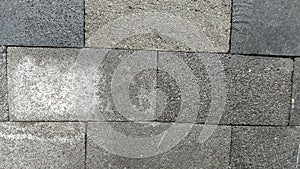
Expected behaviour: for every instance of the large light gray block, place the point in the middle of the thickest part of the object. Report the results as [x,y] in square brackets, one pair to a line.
[3,85]
[42,145]
[81,84]
[42,23]
[265,147]
[268,27]
[102,151]
[160,25]
[248,90]
[41,83]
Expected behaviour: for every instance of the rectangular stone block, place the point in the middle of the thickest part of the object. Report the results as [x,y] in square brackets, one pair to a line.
[41,83]
[42,23]
[40,145]
[156,145]
[47,84]
[295,113]
[160,25]
[226,89]
[268,27]
[265,147]
[3,86]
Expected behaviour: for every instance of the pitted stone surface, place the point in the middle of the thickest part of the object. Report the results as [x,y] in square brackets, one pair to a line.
[3,85]
[258,89]
[189,153]
[295,113]
[41,83]
[71,84]
[42,145]
[208,21]
[265,147]
[42,23]
[268,27]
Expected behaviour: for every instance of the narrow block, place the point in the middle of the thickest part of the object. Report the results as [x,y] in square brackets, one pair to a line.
[159,25]
[149,145]
[40,145]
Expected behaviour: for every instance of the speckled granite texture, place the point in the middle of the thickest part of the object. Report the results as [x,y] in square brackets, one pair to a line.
[150,84]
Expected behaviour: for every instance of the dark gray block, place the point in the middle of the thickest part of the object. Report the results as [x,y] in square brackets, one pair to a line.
[257,90]
[42,145]
[132,70]
[266,27]
[295,113]
[188,153]
[42,23]
[265,147]
[3,85]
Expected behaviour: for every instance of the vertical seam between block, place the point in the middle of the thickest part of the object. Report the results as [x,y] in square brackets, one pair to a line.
[6,83]
[230,33]
[84,23]
[230,148]
[85,145]
[291,95]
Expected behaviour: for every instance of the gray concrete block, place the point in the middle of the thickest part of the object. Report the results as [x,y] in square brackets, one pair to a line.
[257,90]
[40,145]
[40,23]
[3,86]
[265,147]
[109,145]
[295,112]
[266,27]
[88,84]
[159,25]
[41,83]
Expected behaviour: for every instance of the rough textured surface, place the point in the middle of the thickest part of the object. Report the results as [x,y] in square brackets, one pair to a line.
[132,70]
[295,112]
[41,83]
[71,84]
[91,84]
[266,27]
[40,145]
[258,88]
[214,153]
[3,85]
[155,78]
[206,24]
[265,147]
[40,23]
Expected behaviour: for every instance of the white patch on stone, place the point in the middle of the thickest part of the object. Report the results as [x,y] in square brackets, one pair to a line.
[15,137]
